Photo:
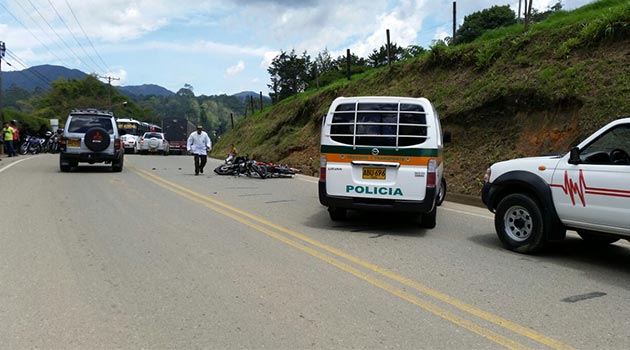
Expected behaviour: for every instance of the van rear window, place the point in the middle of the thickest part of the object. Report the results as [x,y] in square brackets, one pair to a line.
[379,124]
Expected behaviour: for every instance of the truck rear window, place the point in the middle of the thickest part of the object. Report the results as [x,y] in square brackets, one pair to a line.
[379,124]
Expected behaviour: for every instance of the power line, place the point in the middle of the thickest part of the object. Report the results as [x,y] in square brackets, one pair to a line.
[34,72]
[86,36]
[75,38]
[30,31]
[54,31]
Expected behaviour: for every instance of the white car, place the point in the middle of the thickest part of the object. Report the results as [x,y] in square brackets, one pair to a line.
[129,143]
[535,200]
[153,142]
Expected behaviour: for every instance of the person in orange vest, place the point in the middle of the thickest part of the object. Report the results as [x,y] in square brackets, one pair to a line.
[7,131]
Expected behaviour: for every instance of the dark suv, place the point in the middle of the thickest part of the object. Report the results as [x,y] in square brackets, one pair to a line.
[91,136]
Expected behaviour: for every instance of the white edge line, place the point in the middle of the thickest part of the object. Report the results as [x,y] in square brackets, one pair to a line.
[468,213]
[13,163]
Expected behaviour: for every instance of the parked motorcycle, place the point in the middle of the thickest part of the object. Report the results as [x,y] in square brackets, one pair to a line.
[31,145]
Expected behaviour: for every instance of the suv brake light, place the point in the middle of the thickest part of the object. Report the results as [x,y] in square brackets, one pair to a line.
[63,142]
[117,144]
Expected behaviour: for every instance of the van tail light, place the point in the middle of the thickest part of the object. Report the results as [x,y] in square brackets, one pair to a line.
[322,168]
[432,173]
[117,144]
[63,142]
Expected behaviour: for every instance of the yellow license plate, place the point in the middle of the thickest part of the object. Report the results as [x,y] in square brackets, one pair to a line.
[74,143]
[374,173]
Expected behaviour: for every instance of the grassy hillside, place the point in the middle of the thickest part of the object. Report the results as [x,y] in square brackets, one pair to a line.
[510,93]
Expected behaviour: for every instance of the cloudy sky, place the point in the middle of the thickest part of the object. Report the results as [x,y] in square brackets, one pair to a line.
[217,46]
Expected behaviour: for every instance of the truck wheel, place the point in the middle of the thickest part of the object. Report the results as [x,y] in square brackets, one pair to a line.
[519,224]
[594,238]
[337,214]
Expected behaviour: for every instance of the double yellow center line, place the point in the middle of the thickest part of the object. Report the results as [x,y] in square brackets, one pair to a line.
[342,259]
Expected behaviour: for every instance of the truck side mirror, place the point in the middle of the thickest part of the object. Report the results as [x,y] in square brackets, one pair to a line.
[574,157]
[447,137]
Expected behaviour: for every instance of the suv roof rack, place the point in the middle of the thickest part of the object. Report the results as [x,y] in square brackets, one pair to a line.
[91,110]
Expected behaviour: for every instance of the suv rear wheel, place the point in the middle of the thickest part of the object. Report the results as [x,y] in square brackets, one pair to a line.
[117,165]
[64,165]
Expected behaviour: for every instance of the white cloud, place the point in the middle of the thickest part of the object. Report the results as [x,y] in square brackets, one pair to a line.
[268,58]
[239,67]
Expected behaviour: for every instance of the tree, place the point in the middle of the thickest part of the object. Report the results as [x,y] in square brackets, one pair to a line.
[477,23]
[378,58]
[412,51]
[290,74]
[186,91]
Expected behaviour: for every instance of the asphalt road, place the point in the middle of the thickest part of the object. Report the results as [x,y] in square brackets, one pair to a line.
[157,258]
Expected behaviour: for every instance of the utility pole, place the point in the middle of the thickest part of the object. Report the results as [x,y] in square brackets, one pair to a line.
[109,91]
[389,52]
[348,63]
[454,19]
[2,50]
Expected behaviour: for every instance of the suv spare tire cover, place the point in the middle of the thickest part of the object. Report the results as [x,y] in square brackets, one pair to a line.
[154,142]
[97,139]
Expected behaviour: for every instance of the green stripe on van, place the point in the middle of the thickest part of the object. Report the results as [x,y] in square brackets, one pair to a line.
[382,151]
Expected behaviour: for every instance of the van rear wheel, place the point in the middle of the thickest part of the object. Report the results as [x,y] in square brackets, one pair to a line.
[337,214]
[429,220]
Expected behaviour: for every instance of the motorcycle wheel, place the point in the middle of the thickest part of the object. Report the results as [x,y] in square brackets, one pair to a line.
[224,169]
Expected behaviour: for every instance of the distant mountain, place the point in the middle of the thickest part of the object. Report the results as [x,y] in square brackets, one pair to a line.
[245,95]
[38,77]
[145,90]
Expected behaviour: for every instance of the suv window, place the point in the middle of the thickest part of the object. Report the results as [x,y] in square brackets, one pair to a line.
[379,124]
[83,123]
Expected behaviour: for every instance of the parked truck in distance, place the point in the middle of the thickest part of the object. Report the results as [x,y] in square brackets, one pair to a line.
[176,131]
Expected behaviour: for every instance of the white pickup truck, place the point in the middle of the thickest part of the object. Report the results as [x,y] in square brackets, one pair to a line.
[535,200]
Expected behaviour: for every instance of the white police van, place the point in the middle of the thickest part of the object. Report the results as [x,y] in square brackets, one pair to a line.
[381,154]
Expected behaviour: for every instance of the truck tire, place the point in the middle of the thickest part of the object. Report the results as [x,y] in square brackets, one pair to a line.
[520,224]
[594,238]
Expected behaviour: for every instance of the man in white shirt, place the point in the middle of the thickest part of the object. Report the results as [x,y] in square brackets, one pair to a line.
[199,144]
